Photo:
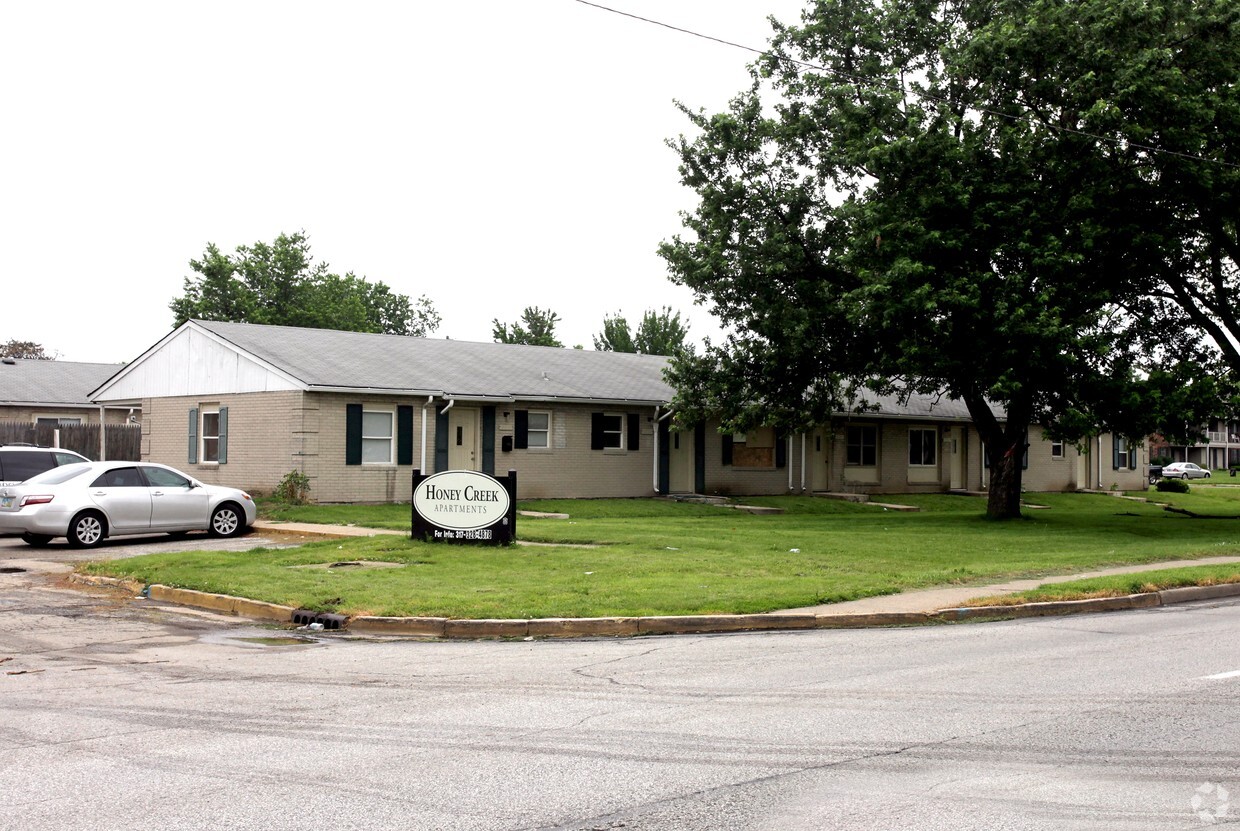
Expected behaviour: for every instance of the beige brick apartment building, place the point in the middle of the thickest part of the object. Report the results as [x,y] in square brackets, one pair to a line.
[243,405]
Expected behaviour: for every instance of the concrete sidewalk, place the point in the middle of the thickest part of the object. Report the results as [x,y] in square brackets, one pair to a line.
[324,530]
[950,597]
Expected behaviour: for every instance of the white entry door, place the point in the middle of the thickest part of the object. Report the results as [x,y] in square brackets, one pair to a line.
[463,439]
[680,461]
[953,449]
[820,461]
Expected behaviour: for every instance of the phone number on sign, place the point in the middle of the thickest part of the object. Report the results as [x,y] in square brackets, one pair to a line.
[484,534]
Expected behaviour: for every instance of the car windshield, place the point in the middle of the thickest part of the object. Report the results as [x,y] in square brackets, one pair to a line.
[59,475]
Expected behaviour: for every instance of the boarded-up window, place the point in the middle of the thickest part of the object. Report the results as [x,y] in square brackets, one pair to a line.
[755,448]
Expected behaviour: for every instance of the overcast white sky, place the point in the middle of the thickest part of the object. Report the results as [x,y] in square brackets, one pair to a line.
[491,155]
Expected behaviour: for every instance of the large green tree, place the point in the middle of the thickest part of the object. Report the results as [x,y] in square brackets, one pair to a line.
[280,283]
[1152,90]
[659,333]
[877,212]
[535,328]
[617,335]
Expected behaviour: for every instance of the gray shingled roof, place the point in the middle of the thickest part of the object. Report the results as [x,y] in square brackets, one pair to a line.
[51,382]
[324,358]
[921,406]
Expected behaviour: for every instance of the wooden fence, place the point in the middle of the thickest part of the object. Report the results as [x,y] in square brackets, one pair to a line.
[123,441]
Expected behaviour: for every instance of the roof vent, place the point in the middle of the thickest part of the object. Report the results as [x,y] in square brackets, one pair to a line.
[546,377]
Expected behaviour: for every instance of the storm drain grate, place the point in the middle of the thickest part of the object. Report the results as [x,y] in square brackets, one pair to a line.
[305,617]
[11,570]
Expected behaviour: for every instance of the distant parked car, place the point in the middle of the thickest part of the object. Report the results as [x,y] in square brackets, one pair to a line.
[1185,470]
[89,501]
[18,462]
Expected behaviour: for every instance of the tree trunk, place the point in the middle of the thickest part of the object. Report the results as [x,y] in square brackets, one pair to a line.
[1006,445]
[1006,467]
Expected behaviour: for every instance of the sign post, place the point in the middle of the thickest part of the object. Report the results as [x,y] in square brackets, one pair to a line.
[464,506]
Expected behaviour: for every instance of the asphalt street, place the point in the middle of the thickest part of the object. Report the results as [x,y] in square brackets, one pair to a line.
[119,713]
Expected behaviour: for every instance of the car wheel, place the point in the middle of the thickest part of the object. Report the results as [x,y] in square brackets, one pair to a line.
[1153,480]
[227,521]
[37,540]
[86,530]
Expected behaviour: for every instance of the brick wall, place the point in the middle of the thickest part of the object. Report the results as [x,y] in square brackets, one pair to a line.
[261,445]
[569,468]
[270,434]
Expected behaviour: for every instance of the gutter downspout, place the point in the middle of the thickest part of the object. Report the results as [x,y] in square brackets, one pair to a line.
[802,463]
[789,440]
[103,427]
[1098,484]
[430,399]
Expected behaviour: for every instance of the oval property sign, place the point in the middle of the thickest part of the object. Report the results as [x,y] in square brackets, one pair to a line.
[463,505]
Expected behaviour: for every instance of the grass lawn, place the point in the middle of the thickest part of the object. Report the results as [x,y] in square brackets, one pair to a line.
[1204,500]
[659,557]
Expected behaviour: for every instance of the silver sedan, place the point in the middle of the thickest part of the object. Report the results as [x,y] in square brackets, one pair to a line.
[1184,470]
[90,501]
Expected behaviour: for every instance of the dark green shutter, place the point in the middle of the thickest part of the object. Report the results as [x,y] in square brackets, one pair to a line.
[441,442]
[488,441]
[781,450]
[727,449]
[353,434]
[635,431]
[193,436]
[404,434]
[521,434]
[1114,452]
[1132,457]
[596,431]
[223,443]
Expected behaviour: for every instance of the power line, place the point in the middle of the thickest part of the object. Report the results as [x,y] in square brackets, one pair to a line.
[861,81]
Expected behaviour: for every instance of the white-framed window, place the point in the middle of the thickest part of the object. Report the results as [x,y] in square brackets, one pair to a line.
[923,447]
[861,446]
[1125,454]
[209,435]
[377,433]
[538,429]
[1057,449]
[613,431]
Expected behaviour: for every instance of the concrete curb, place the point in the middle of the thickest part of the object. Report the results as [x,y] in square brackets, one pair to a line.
[447,628]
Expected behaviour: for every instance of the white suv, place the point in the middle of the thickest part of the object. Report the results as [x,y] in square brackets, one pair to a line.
[18,462]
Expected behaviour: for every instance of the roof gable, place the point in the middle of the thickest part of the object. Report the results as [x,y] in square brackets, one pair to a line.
[193,361]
